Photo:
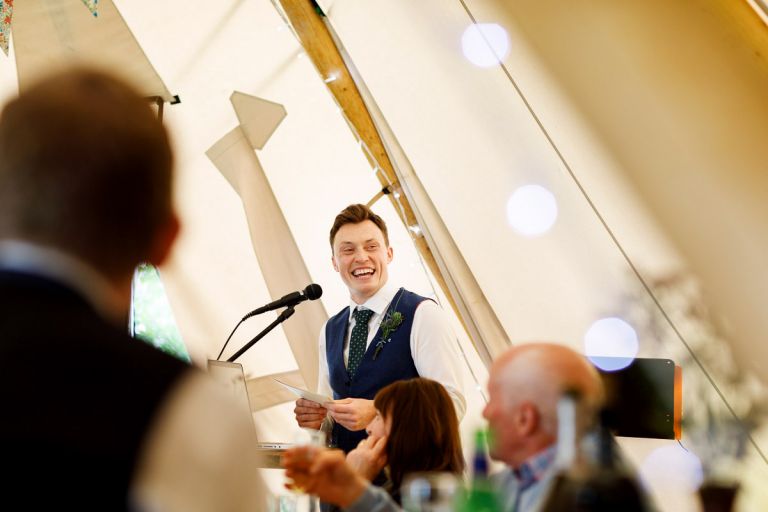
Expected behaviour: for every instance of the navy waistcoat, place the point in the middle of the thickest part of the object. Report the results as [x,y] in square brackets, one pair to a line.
[394,361]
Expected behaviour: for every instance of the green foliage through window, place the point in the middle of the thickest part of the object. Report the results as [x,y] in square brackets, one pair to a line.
[151,316]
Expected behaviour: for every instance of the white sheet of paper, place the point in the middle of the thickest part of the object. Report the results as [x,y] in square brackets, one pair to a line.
[303,393]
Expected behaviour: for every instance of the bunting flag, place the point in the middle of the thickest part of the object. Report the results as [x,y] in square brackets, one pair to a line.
[6,9]
[92,6]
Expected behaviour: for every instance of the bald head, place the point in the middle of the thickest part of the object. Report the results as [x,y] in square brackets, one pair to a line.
[541,372]
[525,385]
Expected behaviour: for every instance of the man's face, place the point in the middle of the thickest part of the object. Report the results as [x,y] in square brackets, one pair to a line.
[500,415]
[361,256]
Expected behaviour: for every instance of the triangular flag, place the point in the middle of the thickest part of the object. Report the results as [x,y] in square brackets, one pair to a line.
[92,6]
[6,9]
[258,117]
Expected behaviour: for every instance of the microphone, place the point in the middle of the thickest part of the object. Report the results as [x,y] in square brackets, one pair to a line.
[311,292]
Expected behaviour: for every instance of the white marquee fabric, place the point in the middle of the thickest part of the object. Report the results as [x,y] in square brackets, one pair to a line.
[275,248]
[58,26]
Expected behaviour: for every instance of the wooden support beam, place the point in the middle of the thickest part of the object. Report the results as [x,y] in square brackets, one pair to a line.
[306,20]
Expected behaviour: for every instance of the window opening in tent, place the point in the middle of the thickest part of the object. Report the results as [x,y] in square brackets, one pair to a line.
[151,319]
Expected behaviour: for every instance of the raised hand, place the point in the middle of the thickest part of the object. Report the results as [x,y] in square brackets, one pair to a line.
[370,457]
[323,473]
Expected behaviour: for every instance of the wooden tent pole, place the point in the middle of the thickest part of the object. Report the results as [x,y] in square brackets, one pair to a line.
[305,18]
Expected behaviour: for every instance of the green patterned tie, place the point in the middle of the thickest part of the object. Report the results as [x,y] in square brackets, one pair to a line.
[359,339]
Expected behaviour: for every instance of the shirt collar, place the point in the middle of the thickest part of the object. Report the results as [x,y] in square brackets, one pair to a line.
[54,264]
[535,467]
[378,302]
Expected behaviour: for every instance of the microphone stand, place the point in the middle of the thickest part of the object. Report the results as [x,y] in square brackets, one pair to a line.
[285,315]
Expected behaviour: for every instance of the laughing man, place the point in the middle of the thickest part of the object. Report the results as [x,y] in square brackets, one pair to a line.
[385,334]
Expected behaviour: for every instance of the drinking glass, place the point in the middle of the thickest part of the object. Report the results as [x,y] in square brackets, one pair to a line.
[429,492]
[308,437]
[282,503]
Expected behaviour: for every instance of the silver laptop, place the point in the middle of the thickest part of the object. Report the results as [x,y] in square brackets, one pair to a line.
[232,377]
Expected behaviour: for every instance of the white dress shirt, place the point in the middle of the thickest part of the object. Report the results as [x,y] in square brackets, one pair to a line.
[433,345]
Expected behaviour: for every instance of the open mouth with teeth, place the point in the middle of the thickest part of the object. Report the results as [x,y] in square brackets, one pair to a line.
[363,273]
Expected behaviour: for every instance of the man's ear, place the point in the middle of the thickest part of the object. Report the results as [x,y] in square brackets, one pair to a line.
[333,263]
[528,418]
[390,254]
[164,240]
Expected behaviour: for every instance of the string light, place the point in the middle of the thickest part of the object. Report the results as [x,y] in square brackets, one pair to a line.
[611,344]
[532,210]
[485,44]
[672,467]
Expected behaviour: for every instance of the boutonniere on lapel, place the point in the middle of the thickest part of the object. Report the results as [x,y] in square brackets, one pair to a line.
[388,326]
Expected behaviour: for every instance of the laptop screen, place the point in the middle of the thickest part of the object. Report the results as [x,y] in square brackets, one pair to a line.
[232,377]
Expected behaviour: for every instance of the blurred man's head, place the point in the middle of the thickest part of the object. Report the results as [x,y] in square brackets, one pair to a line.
[86,168]
[524,386]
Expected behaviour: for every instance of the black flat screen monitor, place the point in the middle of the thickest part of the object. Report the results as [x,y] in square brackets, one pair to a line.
[642,399]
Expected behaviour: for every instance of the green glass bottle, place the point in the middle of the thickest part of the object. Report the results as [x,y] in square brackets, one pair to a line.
[481,496]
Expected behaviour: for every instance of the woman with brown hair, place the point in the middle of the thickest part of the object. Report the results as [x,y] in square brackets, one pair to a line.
[415,429]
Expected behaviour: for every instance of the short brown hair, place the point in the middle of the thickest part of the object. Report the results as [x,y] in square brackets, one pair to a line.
[86,168]
[355,214]
[425,429]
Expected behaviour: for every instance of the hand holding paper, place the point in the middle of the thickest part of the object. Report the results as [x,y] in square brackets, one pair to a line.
[303,393]
[309,411]
[352,413]
[309,414]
